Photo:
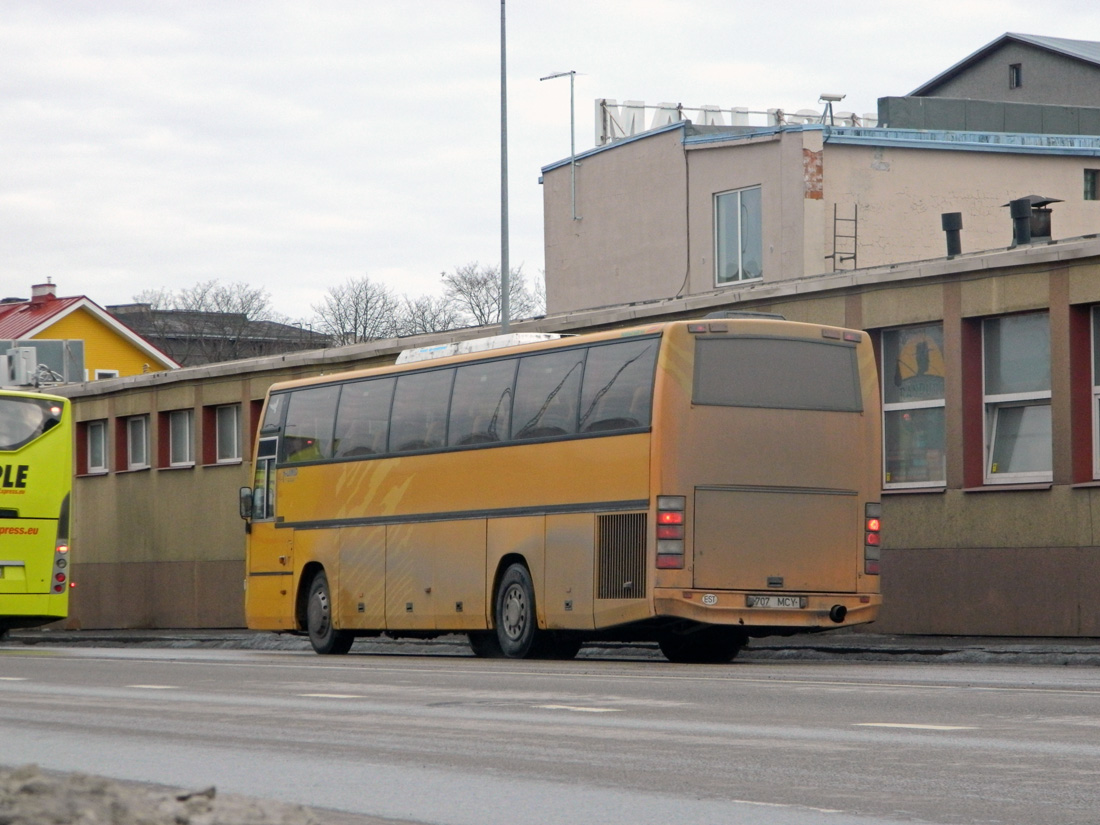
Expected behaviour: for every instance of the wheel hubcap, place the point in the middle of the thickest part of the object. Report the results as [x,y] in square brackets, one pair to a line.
[319,614]
[515,612]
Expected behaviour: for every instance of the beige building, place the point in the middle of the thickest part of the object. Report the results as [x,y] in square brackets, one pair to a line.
[992,470]
[686,210]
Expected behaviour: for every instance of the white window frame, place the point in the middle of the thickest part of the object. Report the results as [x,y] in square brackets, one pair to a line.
[232,455]
[904,406]
[719,238]
[137,433]
[993,404]
[101,374]
[181,445]
[96,433]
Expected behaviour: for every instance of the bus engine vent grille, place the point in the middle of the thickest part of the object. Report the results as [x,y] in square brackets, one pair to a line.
[621,555]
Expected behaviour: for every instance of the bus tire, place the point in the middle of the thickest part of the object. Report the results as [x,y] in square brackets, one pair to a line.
[706,646]
[560,645]
[485,644]
[323,636]
[516,620]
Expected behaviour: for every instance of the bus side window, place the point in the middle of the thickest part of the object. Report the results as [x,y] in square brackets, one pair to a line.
[310,420]
[363,418]
[420,404]
[547,392]
[618,386]
[481,405]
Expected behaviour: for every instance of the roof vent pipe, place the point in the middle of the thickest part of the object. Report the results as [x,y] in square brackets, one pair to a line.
[952,223]
[1020,210]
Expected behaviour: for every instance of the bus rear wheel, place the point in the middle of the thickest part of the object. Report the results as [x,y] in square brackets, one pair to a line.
[485,644]
[323,636]
[516,621]
[708,645]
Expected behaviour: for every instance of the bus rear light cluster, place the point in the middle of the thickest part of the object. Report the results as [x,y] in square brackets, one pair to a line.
[60,565]
[872,537]
[670,532]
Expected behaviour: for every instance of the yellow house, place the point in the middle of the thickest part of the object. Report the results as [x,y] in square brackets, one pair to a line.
[111,349]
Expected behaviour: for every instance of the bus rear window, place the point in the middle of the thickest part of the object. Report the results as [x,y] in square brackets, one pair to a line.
[24,419]
[776,373]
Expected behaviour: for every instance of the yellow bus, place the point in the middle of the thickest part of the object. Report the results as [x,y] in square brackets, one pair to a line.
[692,483]
[36,471]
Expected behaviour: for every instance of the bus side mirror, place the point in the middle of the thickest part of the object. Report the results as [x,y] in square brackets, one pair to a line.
[246,502]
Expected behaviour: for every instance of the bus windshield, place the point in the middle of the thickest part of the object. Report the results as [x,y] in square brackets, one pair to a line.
[24,419]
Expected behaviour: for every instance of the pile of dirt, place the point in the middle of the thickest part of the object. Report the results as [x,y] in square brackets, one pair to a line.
[30,797]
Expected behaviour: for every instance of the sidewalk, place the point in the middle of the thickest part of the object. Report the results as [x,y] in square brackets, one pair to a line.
[838,645]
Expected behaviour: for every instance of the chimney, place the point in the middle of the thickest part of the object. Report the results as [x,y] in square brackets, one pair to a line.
[1030,219]
[43,292]
[952,223]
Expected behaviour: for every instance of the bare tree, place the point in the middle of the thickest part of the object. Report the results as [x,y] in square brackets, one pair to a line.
[428,314]
[475,291]
[358,310]
[212,321]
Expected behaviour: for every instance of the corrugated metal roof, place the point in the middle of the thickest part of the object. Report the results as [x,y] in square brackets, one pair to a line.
[18,320]
[1087,51]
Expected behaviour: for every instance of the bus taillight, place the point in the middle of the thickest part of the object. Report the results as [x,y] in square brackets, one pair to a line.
[670,532]
[872,537]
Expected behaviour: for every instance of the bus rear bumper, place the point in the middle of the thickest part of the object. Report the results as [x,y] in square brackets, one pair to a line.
[32,609]
[731,607]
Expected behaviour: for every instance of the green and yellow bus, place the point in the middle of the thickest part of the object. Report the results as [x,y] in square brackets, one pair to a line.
[36,472]
[692,483]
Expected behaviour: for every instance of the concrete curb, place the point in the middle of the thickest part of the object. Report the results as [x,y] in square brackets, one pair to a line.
[832,646]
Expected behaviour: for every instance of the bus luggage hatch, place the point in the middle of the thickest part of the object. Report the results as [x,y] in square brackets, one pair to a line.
[769,538]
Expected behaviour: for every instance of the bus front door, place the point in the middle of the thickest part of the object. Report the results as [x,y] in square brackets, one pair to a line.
[269,582]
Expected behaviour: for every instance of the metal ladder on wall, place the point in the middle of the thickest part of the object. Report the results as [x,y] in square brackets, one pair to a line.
[847,240]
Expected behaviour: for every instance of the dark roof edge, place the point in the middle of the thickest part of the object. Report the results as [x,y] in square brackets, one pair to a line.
[1051,44]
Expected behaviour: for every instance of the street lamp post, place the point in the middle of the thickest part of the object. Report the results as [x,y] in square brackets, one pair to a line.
[504,286]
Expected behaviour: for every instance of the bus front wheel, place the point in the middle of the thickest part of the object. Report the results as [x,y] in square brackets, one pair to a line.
[322,635]
[517,624]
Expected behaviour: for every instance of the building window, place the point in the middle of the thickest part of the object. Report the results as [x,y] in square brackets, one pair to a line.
[1015,76]
[96,435]
[913,407]
[1016,387]
[100,374]
[1092,184]
[137,442]
[180,443]
[228,433]
[738,229]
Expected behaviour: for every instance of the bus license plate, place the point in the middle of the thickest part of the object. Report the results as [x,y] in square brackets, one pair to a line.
[777,602]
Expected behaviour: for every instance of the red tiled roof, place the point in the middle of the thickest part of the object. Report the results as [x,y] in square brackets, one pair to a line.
[18,320]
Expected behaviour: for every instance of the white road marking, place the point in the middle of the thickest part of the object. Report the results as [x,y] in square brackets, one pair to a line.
[579,709]
[155,687]
[332,696]
[913,726]
[13,678]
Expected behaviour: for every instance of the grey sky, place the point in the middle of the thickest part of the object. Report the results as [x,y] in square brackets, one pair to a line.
[296,145]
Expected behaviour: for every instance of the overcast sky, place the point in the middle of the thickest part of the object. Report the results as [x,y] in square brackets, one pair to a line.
[295,145]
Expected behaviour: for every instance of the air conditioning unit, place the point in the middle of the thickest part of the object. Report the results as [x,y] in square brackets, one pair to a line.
[19,366]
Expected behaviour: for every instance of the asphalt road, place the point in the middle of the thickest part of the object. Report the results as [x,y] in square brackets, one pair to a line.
[461,741]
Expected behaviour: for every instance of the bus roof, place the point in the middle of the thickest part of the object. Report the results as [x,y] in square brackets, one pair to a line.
[520,343]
